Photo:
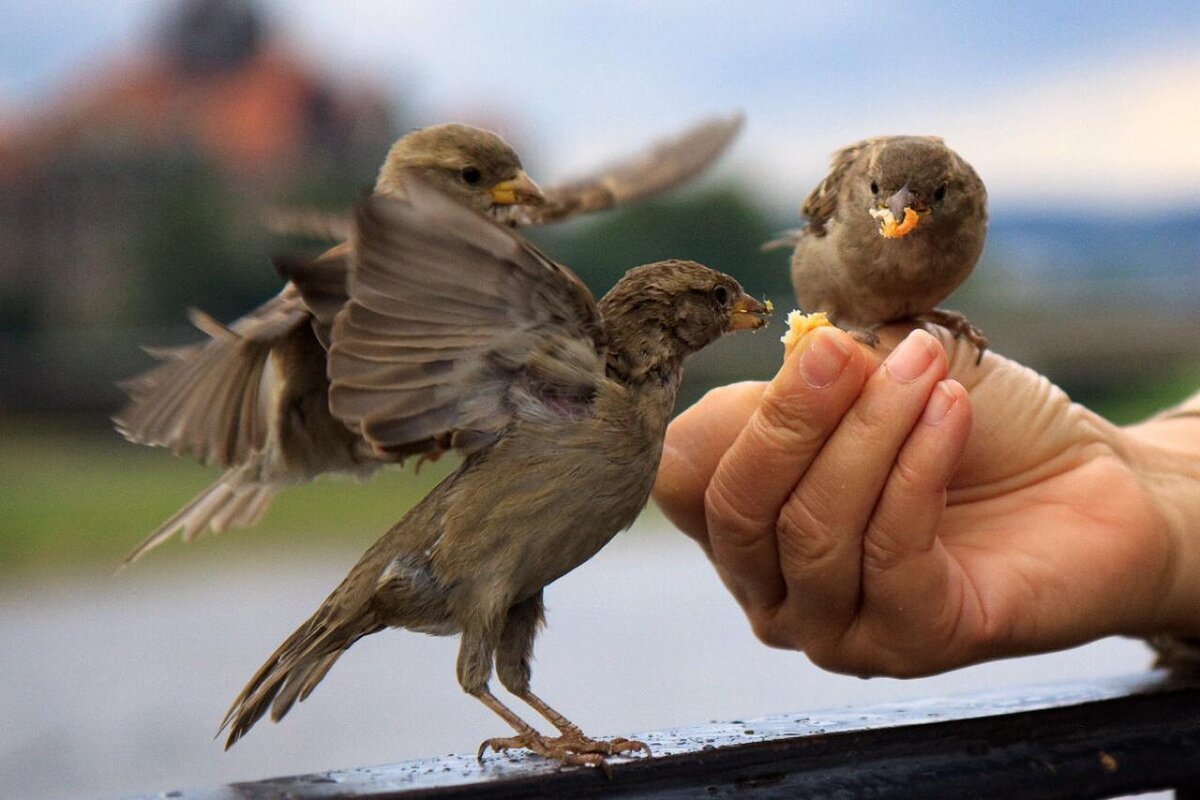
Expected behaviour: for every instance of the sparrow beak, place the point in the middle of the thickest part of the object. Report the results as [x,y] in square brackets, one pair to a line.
[519,190]
[901,216]
[748,314]
[899,201]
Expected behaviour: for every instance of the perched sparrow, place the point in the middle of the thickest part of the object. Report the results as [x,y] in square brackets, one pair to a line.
[459,332]
[254,397]
[894,228]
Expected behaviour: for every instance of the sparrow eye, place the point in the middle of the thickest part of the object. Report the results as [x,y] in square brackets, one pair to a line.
[471,175]
[874,187]
[940,193]
[722,295]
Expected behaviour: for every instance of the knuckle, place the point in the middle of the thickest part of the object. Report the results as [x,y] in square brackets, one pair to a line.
[727,513]
[804,535]
[786,422]
[870,419]
[883,549]
[769,633]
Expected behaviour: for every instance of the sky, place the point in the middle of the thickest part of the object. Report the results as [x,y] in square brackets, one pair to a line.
[1058,105]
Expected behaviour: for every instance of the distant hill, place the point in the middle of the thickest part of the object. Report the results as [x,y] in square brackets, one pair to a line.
[1154,257]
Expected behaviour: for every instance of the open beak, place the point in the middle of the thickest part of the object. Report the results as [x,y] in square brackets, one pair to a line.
[749,314]
[517,191]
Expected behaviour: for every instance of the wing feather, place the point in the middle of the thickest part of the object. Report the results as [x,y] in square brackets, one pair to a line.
[660,167]
[453,322]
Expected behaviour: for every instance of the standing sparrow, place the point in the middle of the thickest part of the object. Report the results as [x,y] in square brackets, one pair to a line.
[460,333]
[893,229]
[254,397]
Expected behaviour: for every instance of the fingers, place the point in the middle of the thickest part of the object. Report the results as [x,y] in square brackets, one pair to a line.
[909,581]
[823,521]
[797,411]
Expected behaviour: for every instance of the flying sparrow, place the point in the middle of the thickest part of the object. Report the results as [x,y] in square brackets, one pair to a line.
[253,399]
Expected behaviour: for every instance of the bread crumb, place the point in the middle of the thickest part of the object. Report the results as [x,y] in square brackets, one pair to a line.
[799,324]
[889,228]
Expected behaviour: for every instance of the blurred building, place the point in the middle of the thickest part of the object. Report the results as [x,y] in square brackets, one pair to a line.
[140,189]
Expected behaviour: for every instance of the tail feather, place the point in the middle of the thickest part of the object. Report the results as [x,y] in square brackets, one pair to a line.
[786,239]
[292,672]
[231,501]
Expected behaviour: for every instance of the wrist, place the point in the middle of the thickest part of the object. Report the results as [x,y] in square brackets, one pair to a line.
[1164,452]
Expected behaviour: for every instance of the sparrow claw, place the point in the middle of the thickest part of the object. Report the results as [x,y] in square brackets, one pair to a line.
[957,323]
[573,749]
[865,336]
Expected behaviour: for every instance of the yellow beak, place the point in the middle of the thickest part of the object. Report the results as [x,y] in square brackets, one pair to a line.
[749,314]
[519,190]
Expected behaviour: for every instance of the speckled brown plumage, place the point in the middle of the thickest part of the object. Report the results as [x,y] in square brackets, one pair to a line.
[253,399]
[842,264]
[560,405]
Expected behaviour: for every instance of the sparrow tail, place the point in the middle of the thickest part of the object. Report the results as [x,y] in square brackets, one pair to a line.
[786,239]
[293,670]
[230,502]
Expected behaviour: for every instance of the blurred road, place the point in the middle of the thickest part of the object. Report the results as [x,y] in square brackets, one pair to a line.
[115,685]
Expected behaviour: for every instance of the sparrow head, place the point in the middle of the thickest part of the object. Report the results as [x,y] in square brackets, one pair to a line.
[472,166]
[659,314]
[914,179]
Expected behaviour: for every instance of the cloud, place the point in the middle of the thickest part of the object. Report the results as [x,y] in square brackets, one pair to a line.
[1120,134]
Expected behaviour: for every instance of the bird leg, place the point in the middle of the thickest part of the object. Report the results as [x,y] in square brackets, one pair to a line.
[513,654]
[529,738]
[573,736]
[864,336]
[957,323]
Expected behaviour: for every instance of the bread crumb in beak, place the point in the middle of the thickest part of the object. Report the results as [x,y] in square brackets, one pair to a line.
[889,228]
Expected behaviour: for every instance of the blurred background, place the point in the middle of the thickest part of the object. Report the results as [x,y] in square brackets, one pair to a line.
[141,141]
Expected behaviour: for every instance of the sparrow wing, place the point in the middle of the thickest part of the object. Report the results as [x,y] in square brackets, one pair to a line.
[208,400]
[453,323]
[662,166]
[821,204]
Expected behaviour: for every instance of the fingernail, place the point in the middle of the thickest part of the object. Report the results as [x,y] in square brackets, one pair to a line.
[912,357]
[824,360]
[939,405]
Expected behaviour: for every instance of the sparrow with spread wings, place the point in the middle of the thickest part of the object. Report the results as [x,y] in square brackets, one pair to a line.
[254,397]
[458,333]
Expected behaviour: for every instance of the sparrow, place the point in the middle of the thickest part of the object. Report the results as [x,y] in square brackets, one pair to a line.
[893,229]
[661,166]
[253,398]
[458,332]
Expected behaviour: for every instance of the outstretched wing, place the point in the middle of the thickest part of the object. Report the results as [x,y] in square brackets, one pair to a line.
[662,166]
[453,324]
[821,204]
[210,400]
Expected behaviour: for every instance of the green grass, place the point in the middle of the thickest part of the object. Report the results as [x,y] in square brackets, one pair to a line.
[70,494]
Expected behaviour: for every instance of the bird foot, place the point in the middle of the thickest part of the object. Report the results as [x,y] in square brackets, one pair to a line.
[571,748]
[957,323]
[865,337]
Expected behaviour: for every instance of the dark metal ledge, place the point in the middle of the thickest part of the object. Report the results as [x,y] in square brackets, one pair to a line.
[1097,739]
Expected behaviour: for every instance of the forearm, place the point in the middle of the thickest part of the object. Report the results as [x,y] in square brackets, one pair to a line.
[1165,453]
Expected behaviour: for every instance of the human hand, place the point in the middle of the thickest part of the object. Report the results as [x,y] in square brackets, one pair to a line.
[897,521]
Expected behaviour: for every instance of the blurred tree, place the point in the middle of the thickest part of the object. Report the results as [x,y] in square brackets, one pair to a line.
[719,226]
[199,246]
